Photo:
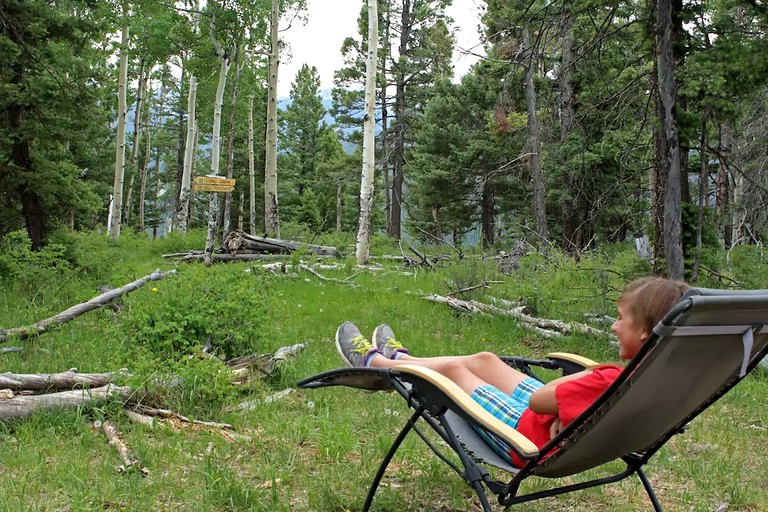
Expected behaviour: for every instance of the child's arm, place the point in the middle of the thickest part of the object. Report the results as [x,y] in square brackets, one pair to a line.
[543,400]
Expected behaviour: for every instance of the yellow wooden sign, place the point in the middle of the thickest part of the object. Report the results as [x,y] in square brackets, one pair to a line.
[214,180]
[204,187]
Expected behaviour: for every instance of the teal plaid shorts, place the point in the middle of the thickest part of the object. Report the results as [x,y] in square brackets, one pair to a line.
[507,408]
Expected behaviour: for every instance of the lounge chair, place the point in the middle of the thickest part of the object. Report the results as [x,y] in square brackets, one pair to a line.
[702,348]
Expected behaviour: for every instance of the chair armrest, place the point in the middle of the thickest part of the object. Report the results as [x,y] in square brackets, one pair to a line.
[440,392]
[570,363]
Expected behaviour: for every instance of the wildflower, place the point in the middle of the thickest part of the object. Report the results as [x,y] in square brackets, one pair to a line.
[154,289]
[311,405]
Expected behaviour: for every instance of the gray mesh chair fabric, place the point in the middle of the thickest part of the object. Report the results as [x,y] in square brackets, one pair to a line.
[703,347]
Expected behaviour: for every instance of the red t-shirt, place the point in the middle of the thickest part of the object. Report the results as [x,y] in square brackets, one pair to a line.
[573,397]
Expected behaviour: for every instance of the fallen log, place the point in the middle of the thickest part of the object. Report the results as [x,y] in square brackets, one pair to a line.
[238,240]
[323,278]
[541,325]
[266,363]
[54,381]
[225,258]
[24,406]
[65,316]
[165,413]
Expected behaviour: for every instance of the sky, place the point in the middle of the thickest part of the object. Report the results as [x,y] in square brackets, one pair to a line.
[318,43]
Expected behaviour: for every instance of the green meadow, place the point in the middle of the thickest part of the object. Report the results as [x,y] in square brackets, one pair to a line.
[315,450]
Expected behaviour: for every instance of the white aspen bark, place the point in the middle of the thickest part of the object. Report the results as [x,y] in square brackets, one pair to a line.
[227,223]
[182,213]
[363,240]
[251,170]
[271,214]
[117,189]
[182,216]
[213,205]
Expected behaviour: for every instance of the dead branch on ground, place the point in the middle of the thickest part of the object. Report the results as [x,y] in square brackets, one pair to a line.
[545,327]
[77,310]
[23,406]
[70,379]
[113,436]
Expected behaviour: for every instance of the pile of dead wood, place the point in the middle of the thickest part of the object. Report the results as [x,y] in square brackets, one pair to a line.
[241,246]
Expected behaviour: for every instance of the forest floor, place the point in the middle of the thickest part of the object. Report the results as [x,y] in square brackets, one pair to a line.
[319,449]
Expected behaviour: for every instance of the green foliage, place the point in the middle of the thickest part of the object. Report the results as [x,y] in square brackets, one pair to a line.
[90,253]
[182,313]
[24,270]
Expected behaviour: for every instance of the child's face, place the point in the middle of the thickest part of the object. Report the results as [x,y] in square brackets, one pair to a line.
[631,335]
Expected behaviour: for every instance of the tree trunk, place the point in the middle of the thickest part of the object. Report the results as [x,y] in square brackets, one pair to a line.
[271,214]
[187,153]
[487,214]
[384,129]
[735,181]
[722,207]
[572,211]
[703,189]
[181,152]
[241,210]
[339,190]
[251,170]
[117,189]
[398,155]
[213,204]
[133,168]
[231,144]
[534,144]
[673,248]
[363,240]
[144,171]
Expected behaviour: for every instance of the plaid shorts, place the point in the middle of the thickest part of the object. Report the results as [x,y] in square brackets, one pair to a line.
[507,408]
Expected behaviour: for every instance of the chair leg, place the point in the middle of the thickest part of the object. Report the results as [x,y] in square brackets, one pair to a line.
[388,458]
[478,487]
[649,490]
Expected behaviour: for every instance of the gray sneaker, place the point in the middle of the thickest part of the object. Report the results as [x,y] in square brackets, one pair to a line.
[352,346]
[385,341]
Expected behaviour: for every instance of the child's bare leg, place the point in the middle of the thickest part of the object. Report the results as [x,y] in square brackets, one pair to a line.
[468,372]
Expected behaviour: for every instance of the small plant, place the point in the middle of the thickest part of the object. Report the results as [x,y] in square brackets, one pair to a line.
[223,308]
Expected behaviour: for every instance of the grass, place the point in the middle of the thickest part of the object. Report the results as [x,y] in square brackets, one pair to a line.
[317,450]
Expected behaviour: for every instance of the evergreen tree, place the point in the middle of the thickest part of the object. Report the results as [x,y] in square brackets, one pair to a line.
[302,127]
[53,119]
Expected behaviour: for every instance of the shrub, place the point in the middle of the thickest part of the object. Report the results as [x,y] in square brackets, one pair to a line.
[24,269]
[182,313]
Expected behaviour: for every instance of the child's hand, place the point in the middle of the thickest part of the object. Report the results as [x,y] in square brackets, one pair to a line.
[555,428]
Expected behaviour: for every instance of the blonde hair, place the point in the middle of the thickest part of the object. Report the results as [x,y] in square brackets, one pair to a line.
[648,299]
